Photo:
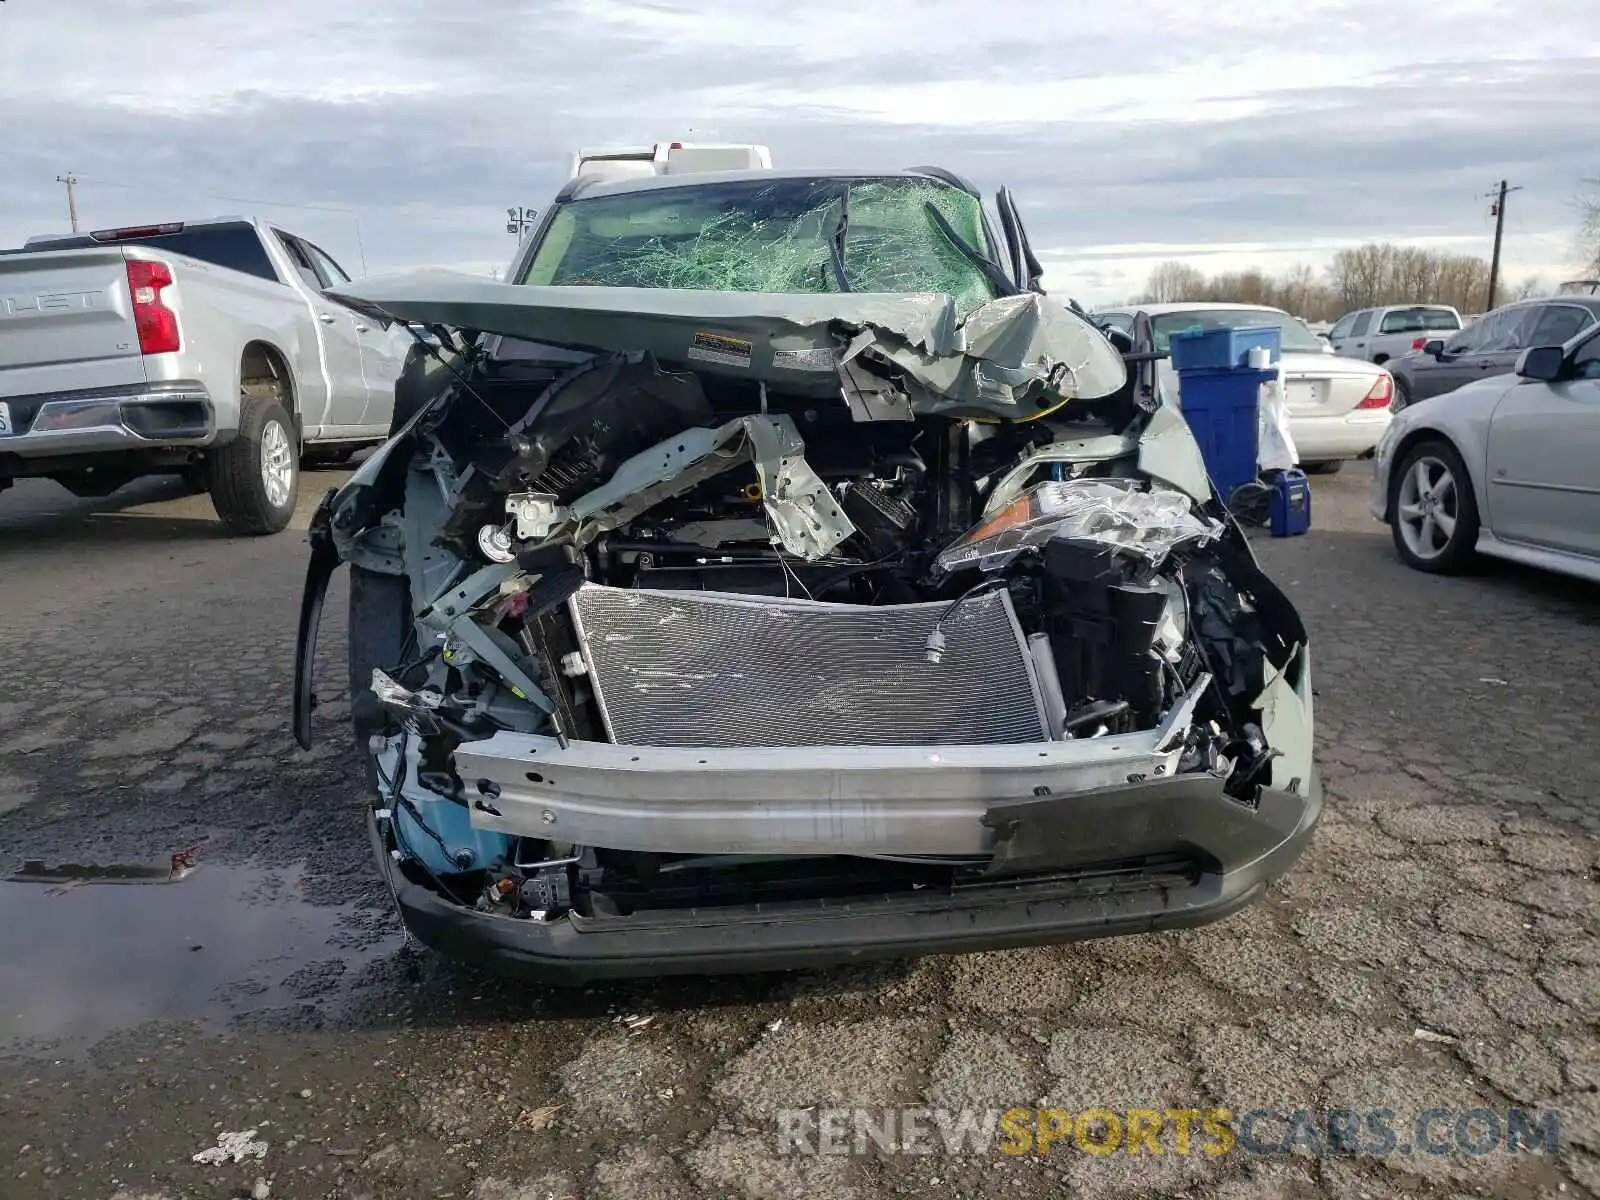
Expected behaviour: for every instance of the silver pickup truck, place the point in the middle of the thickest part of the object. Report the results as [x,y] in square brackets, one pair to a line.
[206,349]
[1393,331]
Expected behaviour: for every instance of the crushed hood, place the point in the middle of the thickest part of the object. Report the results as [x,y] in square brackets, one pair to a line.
[1014,357]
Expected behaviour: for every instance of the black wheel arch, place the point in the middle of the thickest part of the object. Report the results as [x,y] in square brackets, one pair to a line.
[260,362]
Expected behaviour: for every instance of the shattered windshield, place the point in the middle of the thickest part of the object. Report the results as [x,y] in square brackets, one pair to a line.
[777,235]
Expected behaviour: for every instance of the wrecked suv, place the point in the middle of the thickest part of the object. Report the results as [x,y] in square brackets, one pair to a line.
[768,574]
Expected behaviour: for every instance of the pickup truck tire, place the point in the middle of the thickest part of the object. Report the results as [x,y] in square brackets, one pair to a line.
[255,479]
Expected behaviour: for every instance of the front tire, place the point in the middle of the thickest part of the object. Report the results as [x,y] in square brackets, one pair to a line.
[255,479]
[1402,394]
[1433,511]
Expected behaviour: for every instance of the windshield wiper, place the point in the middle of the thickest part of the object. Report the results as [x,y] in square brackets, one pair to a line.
[992,271]
[841,227]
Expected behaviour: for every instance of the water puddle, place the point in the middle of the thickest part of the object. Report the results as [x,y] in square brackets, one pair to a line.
[78,962]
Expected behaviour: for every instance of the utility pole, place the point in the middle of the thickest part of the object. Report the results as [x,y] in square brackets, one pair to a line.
[71,181]
[1499,213]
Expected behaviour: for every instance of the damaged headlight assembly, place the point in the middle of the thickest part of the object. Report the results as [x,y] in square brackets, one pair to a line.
[735,630]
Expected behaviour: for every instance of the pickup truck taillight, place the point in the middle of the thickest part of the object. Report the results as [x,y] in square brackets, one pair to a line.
[1418,343]
[1382,393]
[157,324]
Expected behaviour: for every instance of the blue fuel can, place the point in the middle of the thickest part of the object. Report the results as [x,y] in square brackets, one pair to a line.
[1291,503]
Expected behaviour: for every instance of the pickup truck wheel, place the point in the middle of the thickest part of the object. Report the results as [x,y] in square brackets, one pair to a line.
[255,478]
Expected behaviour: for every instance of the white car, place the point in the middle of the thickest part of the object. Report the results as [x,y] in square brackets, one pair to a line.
[1503,466]
[1338,407]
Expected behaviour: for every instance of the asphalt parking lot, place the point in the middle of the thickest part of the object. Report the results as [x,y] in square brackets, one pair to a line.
[1451,888]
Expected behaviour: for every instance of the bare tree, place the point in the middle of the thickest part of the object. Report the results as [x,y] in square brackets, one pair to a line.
[1361,274]
[1528,289]
[1357,277]
[1173,280]
[1300,293]
[1589,226]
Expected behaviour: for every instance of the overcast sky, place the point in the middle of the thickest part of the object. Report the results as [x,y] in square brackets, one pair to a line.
[1225,133]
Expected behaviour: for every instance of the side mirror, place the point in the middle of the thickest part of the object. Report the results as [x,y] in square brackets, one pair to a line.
[1433,347]
[1542,362]
[1120,340]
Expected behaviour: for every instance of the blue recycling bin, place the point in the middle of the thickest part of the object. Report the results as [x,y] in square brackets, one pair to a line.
[1219,397]
[1223,349]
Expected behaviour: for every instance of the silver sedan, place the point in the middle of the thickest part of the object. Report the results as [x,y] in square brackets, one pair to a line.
[1504,466]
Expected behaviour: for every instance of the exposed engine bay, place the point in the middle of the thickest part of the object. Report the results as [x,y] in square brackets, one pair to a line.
[681,632]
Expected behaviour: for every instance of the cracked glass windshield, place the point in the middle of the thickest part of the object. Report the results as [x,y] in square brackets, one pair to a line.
[771,236]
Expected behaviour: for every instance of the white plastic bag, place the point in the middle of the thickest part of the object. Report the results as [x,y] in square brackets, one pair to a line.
[1275,449]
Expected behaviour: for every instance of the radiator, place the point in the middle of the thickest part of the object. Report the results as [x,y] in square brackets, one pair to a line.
[675,668]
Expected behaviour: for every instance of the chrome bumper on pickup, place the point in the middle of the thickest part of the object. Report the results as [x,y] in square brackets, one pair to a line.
[142,416]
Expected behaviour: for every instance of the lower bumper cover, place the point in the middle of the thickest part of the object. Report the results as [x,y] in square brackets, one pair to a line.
[1075,840]
[1325,438]
[129,418]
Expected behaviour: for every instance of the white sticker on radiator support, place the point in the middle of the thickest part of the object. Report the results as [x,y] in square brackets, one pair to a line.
[818,359]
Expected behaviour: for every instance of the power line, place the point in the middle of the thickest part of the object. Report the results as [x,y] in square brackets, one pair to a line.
[353,214]
[339,208]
